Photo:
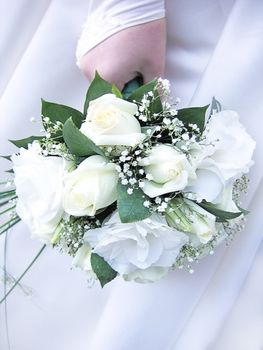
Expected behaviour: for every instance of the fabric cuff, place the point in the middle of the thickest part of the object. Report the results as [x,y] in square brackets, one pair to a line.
[109,17]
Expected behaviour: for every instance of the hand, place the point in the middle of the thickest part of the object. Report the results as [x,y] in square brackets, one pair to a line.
[138,50]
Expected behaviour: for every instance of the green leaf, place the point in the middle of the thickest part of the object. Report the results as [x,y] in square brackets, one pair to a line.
[116,91]
[102,269]
[10,171]
[79,144]
[7,193]
[103,213]
[9,224]
[137,95]
[130,206]
[23,143]
[6,157]
[23,274]
[145,129]
[220,214]
[97,88]
[193,115]
[243,211]
[215,106]
[61,113]
[5,202]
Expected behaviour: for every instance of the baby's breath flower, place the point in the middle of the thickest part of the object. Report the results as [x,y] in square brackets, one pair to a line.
[147,204]
[132,181]
[141,184]
[124,182]
[130,190]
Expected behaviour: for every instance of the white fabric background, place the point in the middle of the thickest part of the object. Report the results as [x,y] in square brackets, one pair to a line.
[215,48]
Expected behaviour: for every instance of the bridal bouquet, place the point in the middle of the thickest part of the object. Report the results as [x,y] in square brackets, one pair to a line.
[133,186]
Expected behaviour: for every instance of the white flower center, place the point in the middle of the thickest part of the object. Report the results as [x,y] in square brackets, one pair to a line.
[106,118]
[174,172]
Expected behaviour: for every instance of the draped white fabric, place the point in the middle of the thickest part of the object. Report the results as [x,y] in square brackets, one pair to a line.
[214,48]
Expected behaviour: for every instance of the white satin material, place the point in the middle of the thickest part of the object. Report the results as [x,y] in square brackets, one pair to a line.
[108,17]
[214,48]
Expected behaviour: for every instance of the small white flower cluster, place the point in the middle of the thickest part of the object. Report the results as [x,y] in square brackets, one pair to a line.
[126,170]
[158,204]
[49,144]
[191,254]
[240,187]
[233,227]
[51,128]
[144,112]
[180,178]
[164,87]
[71,233]
[55,148]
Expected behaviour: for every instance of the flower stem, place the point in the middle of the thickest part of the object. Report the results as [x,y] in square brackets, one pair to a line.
[7,201]
[7,210]
[5,289]
[9,224]
[23,274]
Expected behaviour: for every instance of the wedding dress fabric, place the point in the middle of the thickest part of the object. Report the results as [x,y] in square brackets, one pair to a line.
[214,48]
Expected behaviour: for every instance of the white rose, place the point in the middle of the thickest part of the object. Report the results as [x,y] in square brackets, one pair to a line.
[208,185]
[189,217]
[232,149]
[92,186]
[152,274]
[225,199]
[167,170]
[111,121]
[226,155]
[39,185]
[128,247]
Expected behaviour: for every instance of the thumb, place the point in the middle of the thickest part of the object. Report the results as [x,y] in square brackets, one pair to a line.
[153,71]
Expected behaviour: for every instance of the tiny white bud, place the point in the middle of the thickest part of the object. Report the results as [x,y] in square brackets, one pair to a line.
[166,121]
[124,153]
[130,190]
[185,136]
[132,181]
[158,200]
[149,177]
[141,184]
[146,204]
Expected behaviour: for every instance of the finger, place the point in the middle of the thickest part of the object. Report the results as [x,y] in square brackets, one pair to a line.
[115,74]
[153,69]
